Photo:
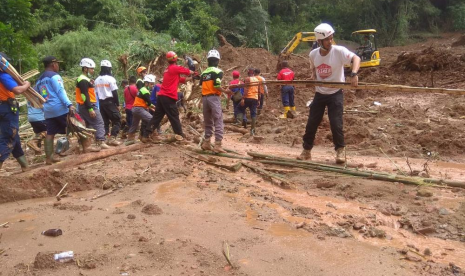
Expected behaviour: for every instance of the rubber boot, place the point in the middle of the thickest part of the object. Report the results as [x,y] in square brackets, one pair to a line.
[217,148]
[305,155]
[341,155]
[112,141]
[102,144]
[23,163]
[131,139]
[293,108]
[240,118]
[206,144]
[49,156]
[284,115]
[42,136]
[252,128]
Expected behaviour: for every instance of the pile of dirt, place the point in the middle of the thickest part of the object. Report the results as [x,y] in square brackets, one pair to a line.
[72,207]
[459,42]
[427,60]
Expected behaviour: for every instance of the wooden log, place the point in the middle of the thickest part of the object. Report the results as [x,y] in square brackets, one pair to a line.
[236,129]
[89,157]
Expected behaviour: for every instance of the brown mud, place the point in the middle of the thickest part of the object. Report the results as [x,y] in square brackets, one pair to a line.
[165,213]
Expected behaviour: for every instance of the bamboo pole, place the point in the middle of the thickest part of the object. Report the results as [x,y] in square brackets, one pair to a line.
[361,85]
[30,74]
[31,95]
[200,151]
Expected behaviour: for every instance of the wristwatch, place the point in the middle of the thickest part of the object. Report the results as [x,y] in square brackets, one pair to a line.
[353,74]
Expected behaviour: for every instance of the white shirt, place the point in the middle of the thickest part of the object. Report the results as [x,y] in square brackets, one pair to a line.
[104,85]
[330,68]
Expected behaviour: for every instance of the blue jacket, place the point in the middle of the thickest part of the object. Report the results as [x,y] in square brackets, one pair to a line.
[34,114]
[153,95]
[50,86]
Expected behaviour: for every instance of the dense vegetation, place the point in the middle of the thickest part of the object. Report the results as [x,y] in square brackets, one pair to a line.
[141,29]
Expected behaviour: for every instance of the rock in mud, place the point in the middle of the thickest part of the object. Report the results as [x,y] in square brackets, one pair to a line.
[131,216]
[443,212]
[338,232]
[152,209]
[376,233]
[424,193]
[358,226]
[325,185]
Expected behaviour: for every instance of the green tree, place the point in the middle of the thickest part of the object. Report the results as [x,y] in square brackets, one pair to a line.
[15,27]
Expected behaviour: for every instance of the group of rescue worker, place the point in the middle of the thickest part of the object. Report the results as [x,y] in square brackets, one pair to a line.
[147,101]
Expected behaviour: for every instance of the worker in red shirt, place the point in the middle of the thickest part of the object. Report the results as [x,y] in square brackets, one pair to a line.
[168,96]
[287,91]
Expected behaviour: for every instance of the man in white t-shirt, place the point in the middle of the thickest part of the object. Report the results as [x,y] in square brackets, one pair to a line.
[107,91]
[327,64]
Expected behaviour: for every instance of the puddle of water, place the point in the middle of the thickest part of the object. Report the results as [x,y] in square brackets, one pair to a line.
[18,217]
[121,204]
[251,217]
[285,230]
[448,165]
[168,188]
[243,261]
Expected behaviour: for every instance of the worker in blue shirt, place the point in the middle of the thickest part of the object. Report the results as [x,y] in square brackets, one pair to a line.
[9,118]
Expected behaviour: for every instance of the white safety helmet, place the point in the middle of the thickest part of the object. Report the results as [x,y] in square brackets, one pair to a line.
[323,30]
[214,54]
[149,78]
[105,63]
[87,62]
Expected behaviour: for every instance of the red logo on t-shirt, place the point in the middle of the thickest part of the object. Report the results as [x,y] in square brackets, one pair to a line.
[324,71]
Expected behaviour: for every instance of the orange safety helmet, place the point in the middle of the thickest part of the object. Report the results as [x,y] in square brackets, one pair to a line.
[171,56]
[140,69]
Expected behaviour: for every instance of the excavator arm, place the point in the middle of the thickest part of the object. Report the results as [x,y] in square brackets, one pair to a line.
[295,41]
[290,47]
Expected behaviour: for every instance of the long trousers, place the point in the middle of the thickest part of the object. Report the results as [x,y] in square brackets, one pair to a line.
[334,102]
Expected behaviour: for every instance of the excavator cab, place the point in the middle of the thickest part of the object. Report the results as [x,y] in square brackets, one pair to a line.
[368,49]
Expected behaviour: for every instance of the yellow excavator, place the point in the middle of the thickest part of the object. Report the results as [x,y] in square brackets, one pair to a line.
[368,53]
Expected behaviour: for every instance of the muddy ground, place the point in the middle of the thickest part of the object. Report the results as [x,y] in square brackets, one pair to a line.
[171,214]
